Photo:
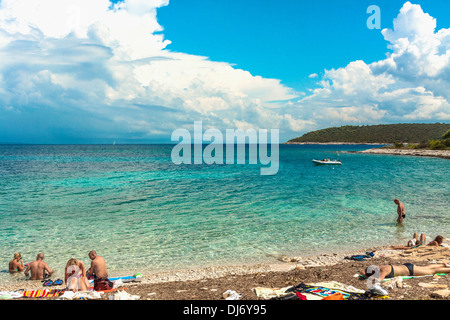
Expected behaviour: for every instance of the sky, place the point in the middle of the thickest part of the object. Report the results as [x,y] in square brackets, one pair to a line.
[133,71]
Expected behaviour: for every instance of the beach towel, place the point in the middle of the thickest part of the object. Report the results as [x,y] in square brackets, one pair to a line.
[270,293]
[408,277]
[81,295]
[46,293]
[282,294]
[338,285]
[325,292]
[106,291]
[6,295]
[123,295]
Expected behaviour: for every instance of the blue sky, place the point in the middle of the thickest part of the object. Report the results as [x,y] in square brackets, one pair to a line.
[286,39]
[133,71]
[274,39]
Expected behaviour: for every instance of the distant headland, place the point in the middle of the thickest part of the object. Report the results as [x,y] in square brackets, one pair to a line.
[405,133]
[412,139]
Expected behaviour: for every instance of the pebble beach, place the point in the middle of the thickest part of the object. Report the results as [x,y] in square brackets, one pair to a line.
[212,283]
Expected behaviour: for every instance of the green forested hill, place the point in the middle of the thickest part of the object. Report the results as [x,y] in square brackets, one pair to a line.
[389,133]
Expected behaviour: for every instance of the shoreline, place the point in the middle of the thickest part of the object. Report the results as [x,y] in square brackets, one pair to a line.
[210,283]
[335,143]
[276,264]
[444,154]
[283,263]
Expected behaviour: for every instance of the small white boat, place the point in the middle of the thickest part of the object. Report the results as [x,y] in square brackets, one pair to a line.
[327,161]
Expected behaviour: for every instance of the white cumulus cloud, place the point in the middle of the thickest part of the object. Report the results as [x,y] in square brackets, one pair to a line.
[411,84]
[72,60]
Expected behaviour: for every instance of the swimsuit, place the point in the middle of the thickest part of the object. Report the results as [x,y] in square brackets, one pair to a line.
[391,274]
[409,266]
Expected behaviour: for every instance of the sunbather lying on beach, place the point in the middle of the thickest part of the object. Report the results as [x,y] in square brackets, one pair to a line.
[436,242]
[416,242]
[407,269]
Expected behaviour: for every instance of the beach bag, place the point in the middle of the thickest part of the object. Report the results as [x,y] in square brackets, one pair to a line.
[103,284]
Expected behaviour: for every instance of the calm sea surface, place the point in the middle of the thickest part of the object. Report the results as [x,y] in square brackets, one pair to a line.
[145,214]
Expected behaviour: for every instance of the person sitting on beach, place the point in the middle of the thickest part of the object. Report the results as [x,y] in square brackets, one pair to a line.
[16,265]
[99,271]
[98,267]
[75,276]
[407,269]
[39,269]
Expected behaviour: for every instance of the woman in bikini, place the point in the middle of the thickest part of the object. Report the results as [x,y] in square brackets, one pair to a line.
[16,265]
[407,269]
[75,276]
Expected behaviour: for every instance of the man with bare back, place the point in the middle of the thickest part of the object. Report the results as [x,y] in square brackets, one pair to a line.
[98,266]
[39,269]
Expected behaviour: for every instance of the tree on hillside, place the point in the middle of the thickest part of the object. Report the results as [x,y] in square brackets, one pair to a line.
[446,135]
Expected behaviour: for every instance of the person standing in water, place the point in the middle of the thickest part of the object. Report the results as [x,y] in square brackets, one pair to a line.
[400,211]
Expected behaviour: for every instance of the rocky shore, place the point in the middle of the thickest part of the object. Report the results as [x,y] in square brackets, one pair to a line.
[291,271]
[410,152]
[336,143]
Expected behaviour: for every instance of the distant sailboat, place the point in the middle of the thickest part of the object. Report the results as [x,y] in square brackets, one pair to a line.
[114,143]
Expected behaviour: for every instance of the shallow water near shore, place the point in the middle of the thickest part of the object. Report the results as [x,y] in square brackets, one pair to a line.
[145,214]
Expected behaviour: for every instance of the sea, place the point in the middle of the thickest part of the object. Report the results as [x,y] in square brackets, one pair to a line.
[142,212]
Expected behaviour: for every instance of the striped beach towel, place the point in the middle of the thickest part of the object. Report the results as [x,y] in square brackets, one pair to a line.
[45,293]
[325,292]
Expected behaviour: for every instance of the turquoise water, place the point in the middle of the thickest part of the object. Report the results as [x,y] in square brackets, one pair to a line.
[143,213]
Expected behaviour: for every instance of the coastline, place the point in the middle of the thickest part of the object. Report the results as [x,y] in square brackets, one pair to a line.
[445,154]
[335,143]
